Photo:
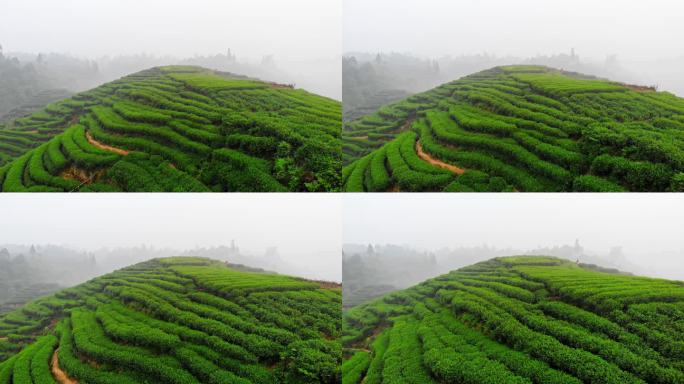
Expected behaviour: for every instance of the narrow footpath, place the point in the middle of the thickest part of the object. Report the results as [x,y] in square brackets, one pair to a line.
[438,163]
[106,147]
[59,375]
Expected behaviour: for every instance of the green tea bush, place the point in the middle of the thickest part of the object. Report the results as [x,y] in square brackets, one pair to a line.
[184,118]
[153,322]
[539,130]
[528,319]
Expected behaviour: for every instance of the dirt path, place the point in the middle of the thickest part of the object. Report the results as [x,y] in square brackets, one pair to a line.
[59,375]
[405,127]
[104,146]
[3,338]
[74,119]
[73,173]
[438,163]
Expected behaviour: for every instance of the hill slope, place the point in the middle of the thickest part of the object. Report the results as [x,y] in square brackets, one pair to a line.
[520,320]
[177,320]
[524,128]
[176,129]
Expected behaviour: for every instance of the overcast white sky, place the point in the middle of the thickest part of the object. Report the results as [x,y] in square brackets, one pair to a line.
[306,228]
[633,29]
[649,225]
[291,30]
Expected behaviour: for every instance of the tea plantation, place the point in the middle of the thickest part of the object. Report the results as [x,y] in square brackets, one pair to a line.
[520,320]
[176,129]
[520,128]
[177,320]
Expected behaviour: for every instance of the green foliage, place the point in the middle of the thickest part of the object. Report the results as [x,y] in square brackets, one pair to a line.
[525,319]
[354,368]
[374,373]
[559,84]
[237,171]
[678,182]
[312,361]
[211,129]
[537,128]
[590,183]
[140,172]
[179,320]
[638,175]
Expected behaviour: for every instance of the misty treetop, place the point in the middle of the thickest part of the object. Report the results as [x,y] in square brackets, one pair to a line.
[177,320]
[23,87]
[39,271]
[177,128]
[522,319]
[520,128]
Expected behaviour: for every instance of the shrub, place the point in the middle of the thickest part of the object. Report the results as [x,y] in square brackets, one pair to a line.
[638,175]
[589,183]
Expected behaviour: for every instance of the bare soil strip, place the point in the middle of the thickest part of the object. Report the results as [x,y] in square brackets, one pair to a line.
[104,146]
[59,375]
[438,163]
[278,85]
[73,173]
[328,284]
[405,127]
[640,88]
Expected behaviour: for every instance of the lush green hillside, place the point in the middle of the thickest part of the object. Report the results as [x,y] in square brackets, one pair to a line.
[520,320]
[177,320]
[524,128]
[177,129]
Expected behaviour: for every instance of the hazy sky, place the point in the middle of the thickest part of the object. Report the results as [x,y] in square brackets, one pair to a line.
[633,29]
[291,30]
[306,228]
[649,225]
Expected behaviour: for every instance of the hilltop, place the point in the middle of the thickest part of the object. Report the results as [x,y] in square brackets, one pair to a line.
[520,128]
[176,128]
[177,320]
[523,319]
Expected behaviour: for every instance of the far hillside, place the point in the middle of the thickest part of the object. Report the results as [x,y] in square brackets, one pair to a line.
[520,128]
[23,89]
[179,320]
[176,128]
[520,319]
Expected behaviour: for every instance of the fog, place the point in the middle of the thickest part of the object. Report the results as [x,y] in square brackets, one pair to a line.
[631,41]
[287,233]
[632,29]
[298,41]
[638,233]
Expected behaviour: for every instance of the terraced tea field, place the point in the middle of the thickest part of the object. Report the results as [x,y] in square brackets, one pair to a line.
[176,129]
[520,128]
[520,320]
[177,320]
